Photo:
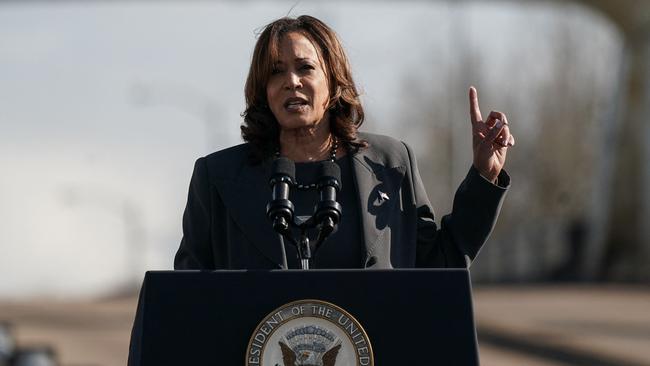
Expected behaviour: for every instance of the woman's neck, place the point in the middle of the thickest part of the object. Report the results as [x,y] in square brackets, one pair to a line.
[306,144]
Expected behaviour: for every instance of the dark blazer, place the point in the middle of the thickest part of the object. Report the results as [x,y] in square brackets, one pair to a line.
[225,224]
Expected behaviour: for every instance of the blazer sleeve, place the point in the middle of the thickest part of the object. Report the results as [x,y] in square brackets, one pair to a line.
[195,251]
[463,232]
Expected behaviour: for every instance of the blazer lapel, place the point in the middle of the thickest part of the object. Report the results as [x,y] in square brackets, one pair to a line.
[246,197]
[379,189]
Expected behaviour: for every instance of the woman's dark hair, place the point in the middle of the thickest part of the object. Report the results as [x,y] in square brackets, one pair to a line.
[260,128]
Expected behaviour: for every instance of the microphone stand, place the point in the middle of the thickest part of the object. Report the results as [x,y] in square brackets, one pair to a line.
[281,211]
[304,245]
[283,252]
[304,250]
[325,228]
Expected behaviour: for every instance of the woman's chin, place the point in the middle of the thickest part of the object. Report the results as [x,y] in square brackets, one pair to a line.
[296,123]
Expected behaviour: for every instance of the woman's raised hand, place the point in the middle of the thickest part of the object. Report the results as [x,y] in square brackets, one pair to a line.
[490,139]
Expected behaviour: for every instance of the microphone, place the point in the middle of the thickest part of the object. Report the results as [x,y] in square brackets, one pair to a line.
[280,209]
[328,211]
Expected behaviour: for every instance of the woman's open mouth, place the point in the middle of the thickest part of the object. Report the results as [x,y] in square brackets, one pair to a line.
[296,104]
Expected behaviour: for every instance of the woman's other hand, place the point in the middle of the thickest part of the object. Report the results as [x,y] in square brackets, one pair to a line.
[490,139]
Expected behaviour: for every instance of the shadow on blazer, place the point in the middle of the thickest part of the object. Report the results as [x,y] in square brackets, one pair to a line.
[225,224]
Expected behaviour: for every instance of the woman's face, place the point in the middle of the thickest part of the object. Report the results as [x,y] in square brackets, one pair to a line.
[297,91]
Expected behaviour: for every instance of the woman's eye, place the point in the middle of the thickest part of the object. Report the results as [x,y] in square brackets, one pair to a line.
[307,67]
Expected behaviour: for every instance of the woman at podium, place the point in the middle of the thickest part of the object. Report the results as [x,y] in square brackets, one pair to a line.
[302,104]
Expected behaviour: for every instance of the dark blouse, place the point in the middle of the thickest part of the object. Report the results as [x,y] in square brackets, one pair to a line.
[343,248]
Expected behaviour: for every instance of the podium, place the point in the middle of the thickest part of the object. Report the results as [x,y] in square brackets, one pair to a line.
[410,316]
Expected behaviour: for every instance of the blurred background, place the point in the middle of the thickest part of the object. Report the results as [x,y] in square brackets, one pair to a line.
[105,106]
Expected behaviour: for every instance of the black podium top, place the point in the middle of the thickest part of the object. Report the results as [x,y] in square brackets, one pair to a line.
[411,316]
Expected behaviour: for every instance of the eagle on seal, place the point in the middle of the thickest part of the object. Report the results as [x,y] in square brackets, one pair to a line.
[290,358]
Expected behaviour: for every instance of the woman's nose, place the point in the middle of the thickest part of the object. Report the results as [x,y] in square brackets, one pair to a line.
[293,81]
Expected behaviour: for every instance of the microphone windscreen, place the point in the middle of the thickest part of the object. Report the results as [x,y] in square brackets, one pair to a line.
[330,170]
[283,167]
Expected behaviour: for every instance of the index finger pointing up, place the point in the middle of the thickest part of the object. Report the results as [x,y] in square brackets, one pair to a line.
[474,110]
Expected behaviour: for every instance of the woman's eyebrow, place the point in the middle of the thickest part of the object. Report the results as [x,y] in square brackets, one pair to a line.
[297,60]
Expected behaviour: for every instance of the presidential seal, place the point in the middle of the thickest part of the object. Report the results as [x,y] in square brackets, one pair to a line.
[309,333]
